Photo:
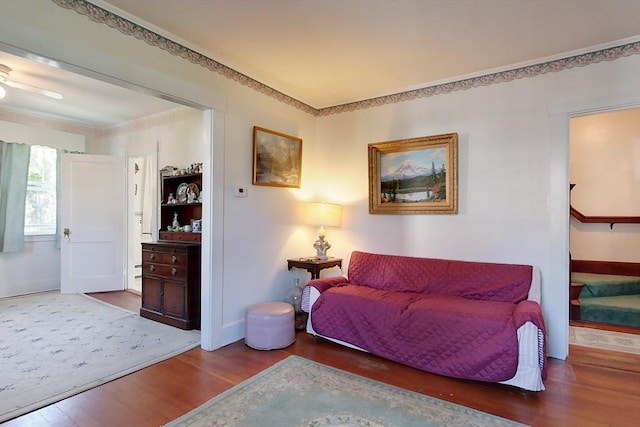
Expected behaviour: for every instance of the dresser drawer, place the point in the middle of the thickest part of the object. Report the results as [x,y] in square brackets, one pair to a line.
[165,258]
[163,270]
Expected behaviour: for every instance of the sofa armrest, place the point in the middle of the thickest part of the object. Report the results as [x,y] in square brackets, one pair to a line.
[530,311]
[319,285]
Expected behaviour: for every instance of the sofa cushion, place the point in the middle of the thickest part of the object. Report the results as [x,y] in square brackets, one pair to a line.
[448,335]
[472,280]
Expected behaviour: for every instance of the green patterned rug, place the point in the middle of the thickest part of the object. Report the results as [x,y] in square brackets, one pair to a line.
[300,392]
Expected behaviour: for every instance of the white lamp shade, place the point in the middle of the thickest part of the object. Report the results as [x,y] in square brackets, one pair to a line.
[323,214]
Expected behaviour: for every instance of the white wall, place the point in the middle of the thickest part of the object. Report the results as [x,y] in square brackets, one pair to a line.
[605,166]
[513,184]
[39,135]
[513,195]
[17,273]
[175,136]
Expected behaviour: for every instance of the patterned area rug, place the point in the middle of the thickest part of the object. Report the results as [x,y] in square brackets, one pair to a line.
[606,340]
[53,346]
[299,392]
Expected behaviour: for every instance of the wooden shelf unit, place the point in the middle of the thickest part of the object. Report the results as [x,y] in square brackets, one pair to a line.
[186,211]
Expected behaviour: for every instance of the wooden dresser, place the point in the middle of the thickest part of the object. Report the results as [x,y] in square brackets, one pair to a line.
[171,283]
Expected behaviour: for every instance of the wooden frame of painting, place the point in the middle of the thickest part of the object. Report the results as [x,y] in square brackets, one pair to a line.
[414,176]
[277,158]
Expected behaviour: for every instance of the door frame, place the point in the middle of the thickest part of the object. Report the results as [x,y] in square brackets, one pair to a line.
[559,112]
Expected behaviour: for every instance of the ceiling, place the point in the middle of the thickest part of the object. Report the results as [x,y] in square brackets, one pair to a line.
[87,101]
[330,52]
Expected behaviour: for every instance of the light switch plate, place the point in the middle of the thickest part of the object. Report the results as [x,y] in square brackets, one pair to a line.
[240,191]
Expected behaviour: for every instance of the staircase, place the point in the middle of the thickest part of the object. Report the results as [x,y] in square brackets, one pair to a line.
[605,298]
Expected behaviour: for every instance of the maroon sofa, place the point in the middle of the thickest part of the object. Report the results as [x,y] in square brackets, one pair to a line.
[471,320]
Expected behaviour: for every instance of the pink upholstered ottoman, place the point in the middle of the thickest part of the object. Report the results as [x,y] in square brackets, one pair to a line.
[269,325]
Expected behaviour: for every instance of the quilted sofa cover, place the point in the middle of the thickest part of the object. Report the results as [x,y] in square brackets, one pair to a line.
[453,318]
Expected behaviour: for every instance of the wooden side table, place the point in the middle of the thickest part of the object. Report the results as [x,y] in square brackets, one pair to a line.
[314,266]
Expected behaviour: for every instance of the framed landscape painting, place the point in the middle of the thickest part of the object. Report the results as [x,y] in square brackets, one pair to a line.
[277,158]
[414,176]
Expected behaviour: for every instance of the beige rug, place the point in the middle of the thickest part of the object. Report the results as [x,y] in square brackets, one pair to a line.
[53,346]
[297,392]
[606,340]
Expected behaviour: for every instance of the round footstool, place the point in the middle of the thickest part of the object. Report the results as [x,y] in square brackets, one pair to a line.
[269,325]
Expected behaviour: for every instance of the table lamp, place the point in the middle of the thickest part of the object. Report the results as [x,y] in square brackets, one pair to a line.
[323,214]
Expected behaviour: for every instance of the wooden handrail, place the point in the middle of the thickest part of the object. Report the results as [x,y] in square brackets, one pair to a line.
[603,219]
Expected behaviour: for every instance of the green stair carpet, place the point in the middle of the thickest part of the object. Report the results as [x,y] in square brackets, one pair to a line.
[607,298]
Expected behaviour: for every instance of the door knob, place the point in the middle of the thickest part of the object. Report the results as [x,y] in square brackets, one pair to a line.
[67,233]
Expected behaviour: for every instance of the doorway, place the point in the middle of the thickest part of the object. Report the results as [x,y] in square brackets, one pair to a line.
[141,221]
[604,237]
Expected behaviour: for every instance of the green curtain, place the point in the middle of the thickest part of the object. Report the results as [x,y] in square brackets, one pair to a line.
[14,170]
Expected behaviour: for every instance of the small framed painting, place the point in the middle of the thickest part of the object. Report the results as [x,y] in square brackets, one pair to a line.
[414,176]
[277,158]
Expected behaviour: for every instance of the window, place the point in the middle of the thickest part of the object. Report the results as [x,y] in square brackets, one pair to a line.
[40,212]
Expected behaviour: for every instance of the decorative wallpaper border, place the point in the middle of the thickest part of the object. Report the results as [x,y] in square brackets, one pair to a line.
[102,16]
[582,60]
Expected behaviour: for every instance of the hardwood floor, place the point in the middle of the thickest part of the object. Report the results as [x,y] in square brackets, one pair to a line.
[578,393]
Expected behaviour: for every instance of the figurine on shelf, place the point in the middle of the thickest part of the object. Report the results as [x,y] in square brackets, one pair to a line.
[192,192]
[171,200]
[195,168]
[168,170]
[175,224]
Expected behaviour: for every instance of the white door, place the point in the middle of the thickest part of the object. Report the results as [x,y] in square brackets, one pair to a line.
[93,202]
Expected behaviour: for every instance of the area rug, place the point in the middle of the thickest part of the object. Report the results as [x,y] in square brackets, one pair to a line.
[606,340]
[53,346]
[300,392]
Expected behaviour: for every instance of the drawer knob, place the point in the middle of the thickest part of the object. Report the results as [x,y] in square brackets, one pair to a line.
[174,271]
[174,259]
[152,257]
[152,268]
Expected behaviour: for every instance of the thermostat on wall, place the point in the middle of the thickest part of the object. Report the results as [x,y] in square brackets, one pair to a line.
[240,191]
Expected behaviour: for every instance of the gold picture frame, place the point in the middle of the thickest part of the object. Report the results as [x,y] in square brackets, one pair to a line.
[414,176]
[277,158]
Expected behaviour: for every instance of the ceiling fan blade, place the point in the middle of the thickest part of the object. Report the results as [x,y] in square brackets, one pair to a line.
[35,89]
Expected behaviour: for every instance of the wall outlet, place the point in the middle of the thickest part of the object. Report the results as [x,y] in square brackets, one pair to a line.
[240,191]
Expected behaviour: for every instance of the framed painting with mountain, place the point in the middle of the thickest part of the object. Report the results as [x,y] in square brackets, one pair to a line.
[414,176]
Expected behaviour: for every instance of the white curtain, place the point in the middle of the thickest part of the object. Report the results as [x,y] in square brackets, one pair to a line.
[14,170]
[147,209]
